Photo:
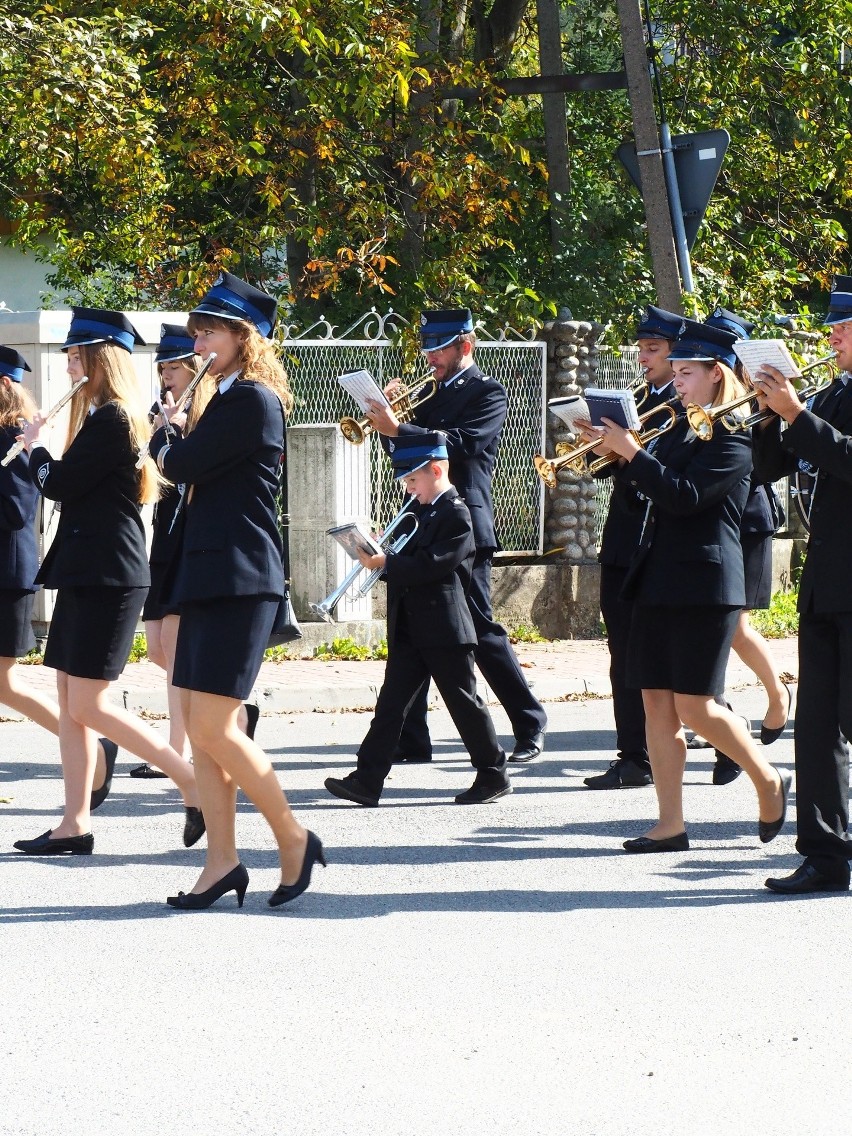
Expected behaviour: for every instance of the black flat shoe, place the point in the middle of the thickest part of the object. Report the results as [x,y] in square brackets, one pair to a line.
[100,795]
[725,770]
[623,773]
[61,846]
[349,788]
[528,750]
[236,880]
[767,736]
[194,826]
[679,843]
[252,715]
[314,854]
[147,771]
[769,830]
[400,758]
[483,792]
[805,879]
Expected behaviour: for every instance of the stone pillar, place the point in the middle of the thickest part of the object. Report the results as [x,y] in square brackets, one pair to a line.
[328,484]
[570,508]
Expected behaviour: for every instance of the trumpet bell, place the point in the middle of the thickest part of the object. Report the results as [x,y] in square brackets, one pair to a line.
[546,470]
[323,611]
[353,430]
[700,422]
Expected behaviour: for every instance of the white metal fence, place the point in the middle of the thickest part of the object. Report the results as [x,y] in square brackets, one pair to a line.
[315,359]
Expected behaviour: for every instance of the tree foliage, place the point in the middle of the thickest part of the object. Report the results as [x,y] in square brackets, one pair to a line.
[320,151]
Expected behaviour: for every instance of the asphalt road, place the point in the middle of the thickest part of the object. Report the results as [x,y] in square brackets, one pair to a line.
[504,969]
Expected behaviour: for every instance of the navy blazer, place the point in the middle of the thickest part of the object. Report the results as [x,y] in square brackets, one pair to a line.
[100,539]
[690,553]
[429,577]
[623,524]
[230,544]
[18,502]
[470,413]
[826,581]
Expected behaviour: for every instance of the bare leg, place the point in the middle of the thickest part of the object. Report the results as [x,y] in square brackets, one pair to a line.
[168,642]
[667,751]
[754,651]
[154,643]
[77,747]
[225,758]
[726,731]
[31,703]
[89,705]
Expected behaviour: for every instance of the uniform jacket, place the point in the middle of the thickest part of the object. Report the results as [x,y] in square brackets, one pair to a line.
[623,524]
[18,503]
[100,539]
[758,516]
[230,544]
[429,577]
[826,581]
[470,413]
[690,552]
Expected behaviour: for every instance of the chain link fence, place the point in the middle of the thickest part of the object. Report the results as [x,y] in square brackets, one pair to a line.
[314,364]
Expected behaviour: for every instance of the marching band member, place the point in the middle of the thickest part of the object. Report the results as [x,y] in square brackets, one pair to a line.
[655,337]
[821,435]
[228,581]
[98,565]
[431,632]
[469,409]
[687,586]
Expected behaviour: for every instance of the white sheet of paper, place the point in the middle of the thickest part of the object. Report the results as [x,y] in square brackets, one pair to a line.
[363,388]
[755,353]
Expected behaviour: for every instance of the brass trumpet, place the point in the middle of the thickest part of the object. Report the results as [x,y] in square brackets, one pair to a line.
[573,456]
[702,421]
[403,405]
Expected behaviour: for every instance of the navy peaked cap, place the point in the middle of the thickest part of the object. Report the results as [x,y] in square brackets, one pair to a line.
[412,451]
[705,343]
[730,321]
[235,299]
[175,343]
[840,300]
[13,364]
[657,323]
[441,328]
[98,325]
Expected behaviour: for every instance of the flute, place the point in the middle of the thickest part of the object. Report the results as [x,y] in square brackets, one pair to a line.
[180,404]
[20,445]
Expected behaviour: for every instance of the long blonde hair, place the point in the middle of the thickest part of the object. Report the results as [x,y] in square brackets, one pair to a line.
[111,364]
[729,388]
[16,402]
[256,354]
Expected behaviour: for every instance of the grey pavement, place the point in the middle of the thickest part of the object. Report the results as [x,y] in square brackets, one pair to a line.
[505,969]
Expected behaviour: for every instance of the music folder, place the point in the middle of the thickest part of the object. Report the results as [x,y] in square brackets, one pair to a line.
[618,406]
[353,539]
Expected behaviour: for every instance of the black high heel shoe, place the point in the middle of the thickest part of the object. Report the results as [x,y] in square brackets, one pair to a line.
[768,830]
[314,853]
[236,880]
[100,795]
[194,826]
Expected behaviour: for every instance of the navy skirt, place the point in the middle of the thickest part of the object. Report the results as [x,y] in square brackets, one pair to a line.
[16,622]
[684,649]
[221,642]
[92,630]
[154,608]
[757,565]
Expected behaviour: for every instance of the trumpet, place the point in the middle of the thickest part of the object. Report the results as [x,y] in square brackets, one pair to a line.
[403,405]
[572,456]
[702,421]
[18,446]
[179,405]
[325,608]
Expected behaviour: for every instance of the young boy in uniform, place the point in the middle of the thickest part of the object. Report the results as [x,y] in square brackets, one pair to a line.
[430,630]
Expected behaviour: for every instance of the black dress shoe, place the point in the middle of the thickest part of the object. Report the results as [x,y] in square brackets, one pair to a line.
[314,854]
[236,880]
[252,715]
[679,843]
[349,788]
[528,750]
[767,736]
[400,758]
[61,846]
[622,774]
[147,771]
[100,795]
[484,790]
[725,770]
[807,878]
[769,830]
[194,826]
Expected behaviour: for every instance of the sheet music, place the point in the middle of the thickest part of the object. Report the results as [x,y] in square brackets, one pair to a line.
[755,353]
[363,388]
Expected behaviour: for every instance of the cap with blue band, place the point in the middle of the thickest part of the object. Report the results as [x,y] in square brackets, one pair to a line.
[235,299]
[13,364]
[441,328]
[175,343]
[657,323]
[840,301]
[98,325]
[703,343]
[414,451]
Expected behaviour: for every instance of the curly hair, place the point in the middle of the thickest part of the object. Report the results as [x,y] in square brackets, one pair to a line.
[119,384]
[16,403]
[256,355]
